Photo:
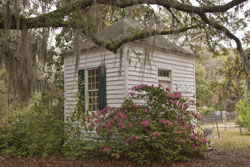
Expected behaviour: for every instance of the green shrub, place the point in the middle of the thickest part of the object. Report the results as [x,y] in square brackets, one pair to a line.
[33,132]
[159,129]
[243,110]
[205,111]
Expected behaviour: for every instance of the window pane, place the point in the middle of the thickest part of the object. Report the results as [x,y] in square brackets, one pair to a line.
[93,83]
[164,73]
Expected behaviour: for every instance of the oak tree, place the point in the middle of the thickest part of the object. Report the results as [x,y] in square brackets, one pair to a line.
[25,27]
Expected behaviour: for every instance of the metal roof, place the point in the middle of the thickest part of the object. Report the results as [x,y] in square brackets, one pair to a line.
[126,27]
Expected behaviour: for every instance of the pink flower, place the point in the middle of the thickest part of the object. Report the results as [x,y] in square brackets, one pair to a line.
[159,85]
[106,149]
[121,115]
[117,156]
[171,95]
[167,89]
[116,117]
[136,137]
[125,117]
[197,115]
[205,140]
[197,103]
[163,121]
[130,125]
[178,94]
[132,94]
[120,123]
[166,126]
[171,101]
[185,124]
[175,139]
[169,122]
[145,122]
[145,110]
[126,141]
[153,134]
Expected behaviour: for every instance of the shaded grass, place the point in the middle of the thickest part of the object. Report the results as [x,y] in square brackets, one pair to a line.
[231,139]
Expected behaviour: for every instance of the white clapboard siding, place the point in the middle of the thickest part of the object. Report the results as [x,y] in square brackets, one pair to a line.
[121,76]
[92,59]
[181,66]
[118,70]
[109,64]
[82,60]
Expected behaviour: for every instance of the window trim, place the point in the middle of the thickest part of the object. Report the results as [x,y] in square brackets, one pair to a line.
[166,79]
[87,87]
[164,69]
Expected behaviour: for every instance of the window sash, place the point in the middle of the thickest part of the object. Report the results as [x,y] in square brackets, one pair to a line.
[93,89]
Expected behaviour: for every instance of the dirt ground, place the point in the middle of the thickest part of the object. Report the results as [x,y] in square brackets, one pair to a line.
[216,158]
[231,150]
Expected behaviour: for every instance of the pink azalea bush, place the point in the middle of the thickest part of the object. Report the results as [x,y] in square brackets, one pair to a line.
[160,129]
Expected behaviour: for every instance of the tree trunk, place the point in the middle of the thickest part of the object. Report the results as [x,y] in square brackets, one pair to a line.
[248,86]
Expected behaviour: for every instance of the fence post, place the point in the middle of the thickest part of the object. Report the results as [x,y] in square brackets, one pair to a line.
[217,129]
[226,121]
[240,131]
[226,124]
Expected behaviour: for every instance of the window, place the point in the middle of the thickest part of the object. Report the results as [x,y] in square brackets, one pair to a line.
[93,88]
[165,78]
[164,73]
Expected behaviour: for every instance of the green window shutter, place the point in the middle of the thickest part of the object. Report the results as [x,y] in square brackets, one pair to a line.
[102,87]
[81,88]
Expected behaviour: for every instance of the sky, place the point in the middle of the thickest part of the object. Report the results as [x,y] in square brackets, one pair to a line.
[239,33]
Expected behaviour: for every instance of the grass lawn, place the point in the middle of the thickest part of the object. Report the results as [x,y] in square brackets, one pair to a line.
[231,139]
[231,150]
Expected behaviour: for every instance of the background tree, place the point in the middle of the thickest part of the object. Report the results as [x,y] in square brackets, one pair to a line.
[220,80]
[25,26]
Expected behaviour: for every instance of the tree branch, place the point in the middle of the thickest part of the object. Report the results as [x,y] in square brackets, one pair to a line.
[56,17]
[217,26]
[114,45]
